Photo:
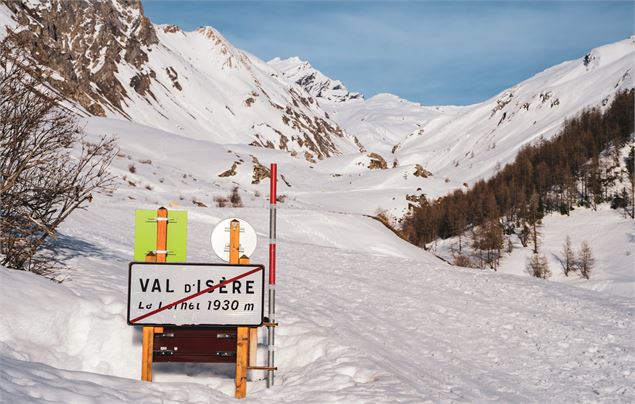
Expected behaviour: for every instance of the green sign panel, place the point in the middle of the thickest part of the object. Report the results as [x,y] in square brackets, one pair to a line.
[145,235]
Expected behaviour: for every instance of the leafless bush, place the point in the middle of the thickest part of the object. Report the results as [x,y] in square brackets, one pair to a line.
[132,168]
[40,181]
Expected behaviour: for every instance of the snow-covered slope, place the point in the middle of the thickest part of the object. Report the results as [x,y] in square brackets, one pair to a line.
[609,233]
[383,120]
[485,136]
[110,59]
[314,81]
[612,240]
[364,316]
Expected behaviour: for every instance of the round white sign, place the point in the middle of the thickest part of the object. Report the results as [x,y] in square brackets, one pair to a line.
[220,239]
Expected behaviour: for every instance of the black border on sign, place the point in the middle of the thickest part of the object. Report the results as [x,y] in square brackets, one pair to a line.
[262,305]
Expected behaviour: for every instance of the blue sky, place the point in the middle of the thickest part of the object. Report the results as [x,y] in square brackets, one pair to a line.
[432,52]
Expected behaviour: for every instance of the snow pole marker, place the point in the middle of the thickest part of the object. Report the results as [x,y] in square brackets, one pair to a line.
[273,178]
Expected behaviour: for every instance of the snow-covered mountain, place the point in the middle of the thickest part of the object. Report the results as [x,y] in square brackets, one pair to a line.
[482,137]
[108,58]
[467,143]
[314,81]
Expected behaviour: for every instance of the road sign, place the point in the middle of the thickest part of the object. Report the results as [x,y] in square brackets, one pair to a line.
[220,239]
[146,235]
[195,294]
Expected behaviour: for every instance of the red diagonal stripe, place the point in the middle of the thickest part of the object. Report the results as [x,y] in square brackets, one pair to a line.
[186,298]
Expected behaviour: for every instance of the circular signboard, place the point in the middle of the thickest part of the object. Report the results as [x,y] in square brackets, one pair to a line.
[220,239]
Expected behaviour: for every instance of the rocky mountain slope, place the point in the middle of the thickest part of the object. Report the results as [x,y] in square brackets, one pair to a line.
[109,59]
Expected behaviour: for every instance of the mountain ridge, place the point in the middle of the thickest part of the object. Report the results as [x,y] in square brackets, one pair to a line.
[109,59]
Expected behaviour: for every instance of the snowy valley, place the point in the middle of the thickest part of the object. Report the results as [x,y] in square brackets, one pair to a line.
[364,315]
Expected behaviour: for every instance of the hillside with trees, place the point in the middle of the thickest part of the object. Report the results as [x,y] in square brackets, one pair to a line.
[582,166]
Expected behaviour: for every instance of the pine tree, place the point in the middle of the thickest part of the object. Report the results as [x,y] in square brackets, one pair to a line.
[568,257]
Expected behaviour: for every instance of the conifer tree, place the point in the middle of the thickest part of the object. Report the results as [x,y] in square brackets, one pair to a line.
[568,257]
[585,261]
[538,266]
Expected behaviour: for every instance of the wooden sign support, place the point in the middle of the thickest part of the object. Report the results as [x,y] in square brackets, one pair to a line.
[242,335]
[197,341]
[157,256]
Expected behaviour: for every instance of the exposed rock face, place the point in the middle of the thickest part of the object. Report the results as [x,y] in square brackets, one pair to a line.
[108,58]
[84,41]
[377,162]
[421,172]
[260,172]
[231,172]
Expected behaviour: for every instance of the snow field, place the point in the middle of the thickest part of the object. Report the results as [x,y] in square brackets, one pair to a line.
[357,325]
[610,235]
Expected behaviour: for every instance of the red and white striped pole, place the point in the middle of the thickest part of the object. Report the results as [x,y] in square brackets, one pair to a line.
[272,274]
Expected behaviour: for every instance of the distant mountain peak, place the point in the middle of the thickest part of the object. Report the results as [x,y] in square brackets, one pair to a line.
[313,81]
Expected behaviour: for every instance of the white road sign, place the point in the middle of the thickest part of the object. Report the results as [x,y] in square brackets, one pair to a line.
[195,294]
[220,239]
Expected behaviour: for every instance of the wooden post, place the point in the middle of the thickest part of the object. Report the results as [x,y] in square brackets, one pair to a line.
[242,334]
[234,241]
[242,351]
[253,331]
[157,256]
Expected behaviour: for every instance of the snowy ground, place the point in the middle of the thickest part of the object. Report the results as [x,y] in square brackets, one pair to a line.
[610,235]
[612,240]
[364,318]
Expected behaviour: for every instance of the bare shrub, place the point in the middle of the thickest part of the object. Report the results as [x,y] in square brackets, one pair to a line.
[132,168]
[40,181]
